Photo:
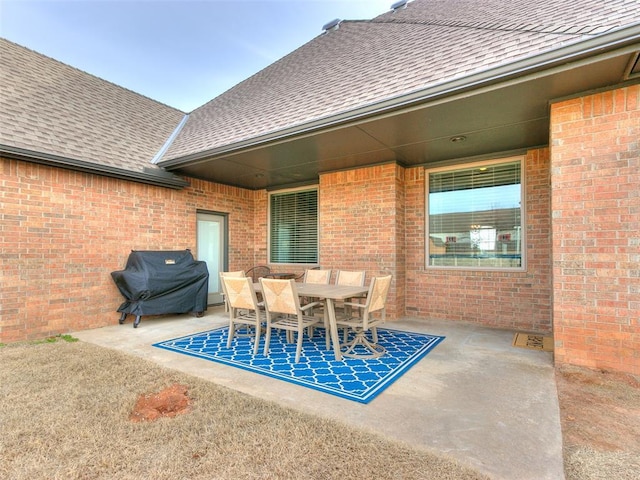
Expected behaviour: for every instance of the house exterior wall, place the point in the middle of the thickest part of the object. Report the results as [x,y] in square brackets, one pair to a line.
[63,232]
[519,300]
[373,219]
[595,164]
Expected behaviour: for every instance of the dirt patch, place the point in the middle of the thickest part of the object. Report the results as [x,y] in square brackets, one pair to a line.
[169,402]
[600,416]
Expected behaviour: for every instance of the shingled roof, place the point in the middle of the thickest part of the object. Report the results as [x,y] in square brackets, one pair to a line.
[63,116]
[363,62]
[56,114]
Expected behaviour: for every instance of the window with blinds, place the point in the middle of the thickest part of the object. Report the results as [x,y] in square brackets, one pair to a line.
[293,226]
[475,216]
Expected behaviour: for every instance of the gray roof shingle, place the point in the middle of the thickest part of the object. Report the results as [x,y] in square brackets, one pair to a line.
[52,108]
[363,62]
[538,15]
[49,107]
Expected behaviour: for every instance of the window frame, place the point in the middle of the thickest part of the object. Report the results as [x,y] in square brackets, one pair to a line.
[523,216]
[286,191]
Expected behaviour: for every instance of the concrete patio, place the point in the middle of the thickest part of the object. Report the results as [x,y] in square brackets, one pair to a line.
[475,397]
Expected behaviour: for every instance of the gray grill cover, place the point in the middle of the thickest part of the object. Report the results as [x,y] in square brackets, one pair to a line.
[158,282]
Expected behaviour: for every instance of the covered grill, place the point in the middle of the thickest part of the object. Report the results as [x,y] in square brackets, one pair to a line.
[159,282]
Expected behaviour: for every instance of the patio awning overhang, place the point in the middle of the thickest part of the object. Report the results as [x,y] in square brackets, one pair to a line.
[503,109]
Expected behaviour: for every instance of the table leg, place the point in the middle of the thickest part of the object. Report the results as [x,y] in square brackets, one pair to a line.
[334,329]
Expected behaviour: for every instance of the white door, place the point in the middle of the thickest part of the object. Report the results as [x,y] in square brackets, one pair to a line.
[212,248]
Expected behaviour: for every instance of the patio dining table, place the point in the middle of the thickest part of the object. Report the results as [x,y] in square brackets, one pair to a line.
[328,294]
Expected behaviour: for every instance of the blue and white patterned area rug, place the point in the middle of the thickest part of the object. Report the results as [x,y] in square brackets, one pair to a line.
[354,379]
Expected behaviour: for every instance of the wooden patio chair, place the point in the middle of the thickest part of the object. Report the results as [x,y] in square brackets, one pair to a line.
[372,314]
[351,278]
[345,277]
[244,308]
[318,276]
[239,273]
[283,311]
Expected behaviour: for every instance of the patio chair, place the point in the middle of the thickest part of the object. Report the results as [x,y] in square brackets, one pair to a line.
[258,271]
[316,275]
[352,278]
[375,303]
[283,311]
[300,276]
[345,277]
[244,308]
[239,273]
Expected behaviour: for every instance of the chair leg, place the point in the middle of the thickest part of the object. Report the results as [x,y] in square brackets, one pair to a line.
[299,345]
[327,333]
[267,340]
[256,343]
[232,332]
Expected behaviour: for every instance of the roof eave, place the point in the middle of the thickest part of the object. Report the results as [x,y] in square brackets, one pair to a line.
[580,50]
[158,178]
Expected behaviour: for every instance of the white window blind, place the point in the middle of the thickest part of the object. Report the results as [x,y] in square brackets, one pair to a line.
[293,231]
[475,217]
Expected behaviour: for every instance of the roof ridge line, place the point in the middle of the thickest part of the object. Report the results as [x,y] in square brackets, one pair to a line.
[558,29]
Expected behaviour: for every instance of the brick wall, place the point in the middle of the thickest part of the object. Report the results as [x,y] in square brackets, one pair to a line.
[359,224]
[595,164]
[374,219]
[259,226]
[515,300]
[63,232]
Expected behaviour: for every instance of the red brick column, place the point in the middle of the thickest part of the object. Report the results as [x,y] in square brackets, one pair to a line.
[595,165]
[361,219]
